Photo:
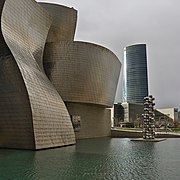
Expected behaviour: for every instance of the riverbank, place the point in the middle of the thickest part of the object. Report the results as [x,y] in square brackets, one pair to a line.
[125,133]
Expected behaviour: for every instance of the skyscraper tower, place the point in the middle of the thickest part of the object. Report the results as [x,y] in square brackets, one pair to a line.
[135,78]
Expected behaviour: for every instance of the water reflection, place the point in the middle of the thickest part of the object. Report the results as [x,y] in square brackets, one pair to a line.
[102,158]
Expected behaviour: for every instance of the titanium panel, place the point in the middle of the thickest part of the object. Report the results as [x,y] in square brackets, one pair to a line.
[16,129]
[82,72]
[25,26]
[64,22]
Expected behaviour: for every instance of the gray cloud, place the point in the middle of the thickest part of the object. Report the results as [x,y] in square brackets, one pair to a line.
[118,23]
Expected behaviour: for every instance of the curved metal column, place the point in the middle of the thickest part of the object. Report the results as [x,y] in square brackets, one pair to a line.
[25,26]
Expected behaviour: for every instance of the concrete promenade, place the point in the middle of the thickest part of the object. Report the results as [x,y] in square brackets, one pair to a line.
[138,134]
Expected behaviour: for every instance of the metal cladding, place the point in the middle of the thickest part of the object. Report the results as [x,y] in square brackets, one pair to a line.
[135,82]
[82,72]
[32,113]
[64,22]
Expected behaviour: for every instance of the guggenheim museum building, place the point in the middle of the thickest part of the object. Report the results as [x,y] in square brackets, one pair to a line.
[53,90]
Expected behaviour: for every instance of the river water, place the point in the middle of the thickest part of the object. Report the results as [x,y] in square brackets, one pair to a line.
[101,158]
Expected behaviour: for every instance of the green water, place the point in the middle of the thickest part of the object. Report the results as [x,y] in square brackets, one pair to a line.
[102,158]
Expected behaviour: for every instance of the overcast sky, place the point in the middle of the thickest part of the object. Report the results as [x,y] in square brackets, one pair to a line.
[116,24]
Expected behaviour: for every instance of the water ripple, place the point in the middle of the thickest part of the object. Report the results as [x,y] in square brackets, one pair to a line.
[102,158]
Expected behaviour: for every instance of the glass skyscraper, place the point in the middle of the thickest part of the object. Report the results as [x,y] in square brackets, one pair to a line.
[135,77]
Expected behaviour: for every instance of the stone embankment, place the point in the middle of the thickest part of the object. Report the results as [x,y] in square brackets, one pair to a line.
[138,134]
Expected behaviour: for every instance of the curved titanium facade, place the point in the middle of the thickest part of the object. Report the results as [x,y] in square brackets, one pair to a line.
[82,72]
[33,115]
[64,22]
[135,82]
